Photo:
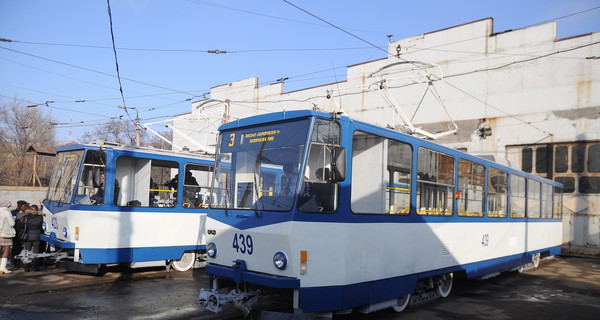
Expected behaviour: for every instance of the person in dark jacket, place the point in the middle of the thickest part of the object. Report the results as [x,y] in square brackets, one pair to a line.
[32,223]
[17,213]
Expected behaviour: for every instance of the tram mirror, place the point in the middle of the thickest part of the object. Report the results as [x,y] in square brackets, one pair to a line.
[338,164]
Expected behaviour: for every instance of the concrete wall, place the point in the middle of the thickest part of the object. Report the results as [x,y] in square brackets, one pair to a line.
[529,86]
[33,195]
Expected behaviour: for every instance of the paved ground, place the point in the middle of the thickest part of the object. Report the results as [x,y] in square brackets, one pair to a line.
[561,288]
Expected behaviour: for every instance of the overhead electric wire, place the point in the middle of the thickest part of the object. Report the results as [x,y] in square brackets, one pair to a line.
[48,104]
[190,50]
[112,37]
[333,25]
[96,71]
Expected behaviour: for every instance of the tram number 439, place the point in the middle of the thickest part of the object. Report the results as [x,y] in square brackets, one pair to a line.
[243,243]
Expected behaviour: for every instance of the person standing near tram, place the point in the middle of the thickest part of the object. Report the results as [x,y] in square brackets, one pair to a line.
[7,233]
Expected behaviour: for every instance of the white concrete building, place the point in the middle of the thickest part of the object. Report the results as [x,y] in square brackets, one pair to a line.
[539,95]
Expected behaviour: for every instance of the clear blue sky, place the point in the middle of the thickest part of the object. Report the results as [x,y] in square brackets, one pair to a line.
[63,50]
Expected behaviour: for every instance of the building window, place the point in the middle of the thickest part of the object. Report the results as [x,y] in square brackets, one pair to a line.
[589,185]
[577,158]
[527,159]
[594,158]
[561,159]
[568,183]
[541,160]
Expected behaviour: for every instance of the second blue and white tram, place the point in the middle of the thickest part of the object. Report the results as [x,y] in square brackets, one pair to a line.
[367,218]
[111,204]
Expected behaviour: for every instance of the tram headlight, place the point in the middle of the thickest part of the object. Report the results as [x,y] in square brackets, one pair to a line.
[280,260]
[44,227]
[211,250]
[65,232]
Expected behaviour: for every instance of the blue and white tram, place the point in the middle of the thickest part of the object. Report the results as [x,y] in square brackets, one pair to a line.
[366,217]
[111,204]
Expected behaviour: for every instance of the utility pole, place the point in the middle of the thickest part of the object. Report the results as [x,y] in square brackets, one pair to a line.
[137,129]
[137,123]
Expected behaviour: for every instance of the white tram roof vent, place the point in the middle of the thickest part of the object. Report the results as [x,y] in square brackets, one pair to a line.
[101,142]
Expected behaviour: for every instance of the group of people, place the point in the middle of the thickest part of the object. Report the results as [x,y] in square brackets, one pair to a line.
[20,229]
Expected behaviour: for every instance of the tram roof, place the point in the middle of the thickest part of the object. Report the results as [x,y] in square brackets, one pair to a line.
[271,117]
[101,144]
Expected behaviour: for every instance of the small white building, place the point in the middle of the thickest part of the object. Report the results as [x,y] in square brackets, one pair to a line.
[521,97]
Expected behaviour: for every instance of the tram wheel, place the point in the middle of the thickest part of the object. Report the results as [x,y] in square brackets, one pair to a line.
[185,263]
[535,259]
[445,284]
[402,303]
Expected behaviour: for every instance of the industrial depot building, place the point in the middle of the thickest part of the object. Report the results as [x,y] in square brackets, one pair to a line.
[520,97]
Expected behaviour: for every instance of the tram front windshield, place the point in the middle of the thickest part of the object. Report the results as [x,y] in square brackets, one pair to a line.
[64,176]
[258,167]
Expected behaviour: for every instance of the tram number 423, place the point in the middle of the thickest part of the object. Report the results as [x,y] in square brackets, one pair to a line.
[243,243]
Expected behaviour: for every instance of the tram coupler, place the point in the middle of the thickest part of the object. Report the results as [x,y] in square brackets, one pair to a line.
[27,256]
[211,300]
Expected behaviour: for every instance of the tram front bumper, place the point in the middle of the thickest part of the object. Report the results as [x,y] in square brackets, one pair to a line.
[52,240]
[239,273]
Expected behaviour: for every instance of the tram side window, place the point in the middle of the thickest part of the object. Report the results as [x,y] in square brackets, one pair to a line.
[497,193]
[146,182]
[399,159]
[319,194]
[558,203]
[90,190]
[517,196]
[533,198]
[196,186]
[381,175]
[471,177]
[547,199]
[435,180]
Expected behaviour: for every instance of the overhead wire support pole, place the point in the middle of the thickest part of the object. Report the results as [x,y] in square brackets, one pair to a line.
[136,122]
